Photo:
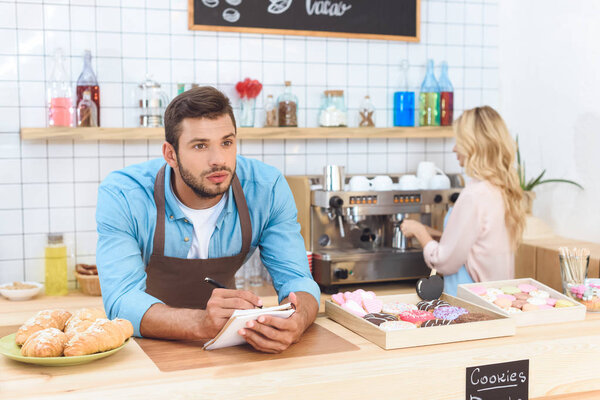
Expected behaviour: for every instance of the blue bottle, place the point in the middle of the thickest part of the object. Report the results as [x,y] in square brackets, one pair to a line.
[404,101]
[429,99]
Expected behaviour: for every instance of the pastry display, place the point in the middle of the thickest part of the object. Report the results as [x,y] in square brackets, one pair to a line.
[523,297]
[56,333]
[587,294]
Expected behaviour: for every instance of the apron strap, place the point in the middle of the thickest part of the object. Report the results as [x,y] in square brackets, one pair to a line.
[244,215]
[159,199]
[158,246]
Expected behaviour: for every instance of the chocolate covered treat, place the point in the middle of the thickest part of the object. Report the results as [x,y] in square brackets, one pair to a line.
[380,318]
[472,317]
[437,322]
[430,305]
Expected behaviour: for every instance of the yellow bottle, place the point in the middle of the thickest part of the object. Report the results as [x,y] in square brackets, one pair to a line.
[56,265]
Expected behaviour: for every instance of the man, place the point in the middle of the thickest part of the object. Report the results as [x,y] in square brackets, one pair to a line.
[163,228]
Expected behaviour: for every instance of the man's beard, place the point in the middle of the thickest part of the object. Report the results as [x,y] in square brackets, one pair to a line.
[196,183]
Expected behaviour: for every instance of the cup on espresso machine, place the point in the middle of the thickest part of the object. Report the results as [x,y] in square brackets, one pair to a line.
[333,178]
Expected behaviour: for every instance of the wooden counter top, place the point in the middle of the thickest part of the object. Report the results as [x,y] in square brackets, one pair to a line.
[563,359]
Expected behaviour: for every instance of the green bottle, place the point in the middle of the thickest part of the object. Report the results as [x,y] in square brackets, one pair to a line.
[429,99]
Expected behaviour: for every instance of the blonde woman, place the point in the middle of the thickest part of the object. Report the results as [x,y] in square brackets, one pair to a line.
[485,226]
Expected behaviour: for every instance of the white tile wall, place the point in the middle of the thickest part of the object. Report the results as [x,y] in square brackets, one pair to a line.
[52,186]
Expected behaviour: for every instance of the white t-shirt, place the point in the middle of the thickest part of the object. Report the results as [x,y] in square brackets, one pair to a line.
[204,222]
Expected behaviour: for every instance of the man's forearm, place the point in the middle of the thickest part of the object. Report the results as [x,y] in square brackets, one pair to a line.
[307,307]
[162,321]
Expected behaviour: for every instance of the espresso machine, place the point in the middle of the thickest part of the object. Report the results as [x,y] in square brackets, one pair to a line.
[355,237]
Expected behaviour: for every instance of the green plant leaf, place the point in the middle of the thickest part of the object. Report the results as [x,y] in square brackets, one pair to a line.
[534,182]
[561,181]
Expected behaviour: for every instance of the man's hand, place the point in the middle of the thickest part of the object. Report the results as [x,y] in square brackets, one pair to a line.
[273,335]
[162,321]
[220,306]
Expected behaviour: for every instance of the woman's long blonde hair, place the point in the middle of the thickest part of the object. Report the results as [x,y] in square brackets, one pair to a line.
[483,139]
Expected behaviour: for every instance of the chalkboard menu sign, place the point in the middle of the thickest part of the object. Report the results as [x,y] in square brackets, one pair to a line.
[365,19]
[501,381]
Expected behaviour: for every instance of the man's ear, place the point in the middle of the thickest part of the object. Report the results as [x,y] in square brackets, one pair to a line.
[169,154]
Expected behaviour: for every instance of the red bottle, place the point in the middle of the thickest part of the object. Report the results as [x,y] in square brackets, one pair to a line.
[87,81]
[446,97]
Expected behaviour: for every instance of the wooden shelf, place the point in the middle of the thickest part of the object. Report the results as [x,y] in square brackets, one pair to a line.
[243,133]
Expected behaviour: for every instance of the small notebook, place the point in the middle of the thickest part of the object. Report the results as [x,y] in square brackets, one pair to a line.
[228,336]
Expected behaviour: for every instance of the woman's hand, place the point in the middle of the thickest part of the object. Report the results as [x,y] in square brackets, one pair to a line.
[411,228]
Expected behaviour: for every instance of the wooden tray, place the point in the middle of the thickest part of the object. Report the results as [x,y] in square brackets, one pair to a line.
[540,317]
[500,325]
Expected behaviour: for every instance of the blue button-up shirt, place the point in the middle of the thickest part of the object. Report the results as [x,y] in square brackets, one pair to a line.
[126,219]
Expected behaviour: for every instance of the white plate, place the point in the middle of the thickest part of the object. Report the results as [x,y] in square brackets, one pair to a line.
[20,294]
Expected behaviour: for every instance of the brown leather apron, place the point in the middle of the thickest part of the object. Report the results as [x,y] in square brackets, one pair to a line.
[179,282]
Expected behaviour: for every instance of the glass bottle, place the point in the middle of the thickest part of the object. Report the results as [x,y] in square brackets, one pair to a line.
[446,97]
[56,265]
[429,99]
[366,113]
[87,112]
[87,81]
[287,106]
[59,94]
[404,100]
[270,112]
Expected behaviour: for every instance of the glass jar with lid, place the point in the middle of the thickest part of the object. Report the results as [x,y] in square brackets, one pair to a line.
[287,106]
[153,103]
[333,109]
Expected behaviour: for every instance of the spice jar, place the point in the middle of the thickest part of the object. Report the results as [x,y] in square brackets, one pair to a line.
[366,113]
[287,106]
[270,112]
[333,109]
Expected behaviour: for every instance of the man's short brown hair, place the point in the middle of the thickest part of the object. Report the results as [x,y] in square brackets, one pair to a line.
[199,102]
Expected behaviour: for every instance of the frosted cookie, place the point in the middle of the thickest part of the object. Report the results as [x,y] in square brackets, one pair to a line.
[478,290]
[538,301]
[380,318]
[550,301]
[503,303]
[519,304]
[353,307]
[510,289]
[563,303]
[397,308]
[437,322]
[450,313]
[494,291]
[416,316]
[489,297]
[429,305]
[526,288]
[531,307]
[512,310]
[396,325]
[539,293]
[522,296]
[372,305]
[507,296]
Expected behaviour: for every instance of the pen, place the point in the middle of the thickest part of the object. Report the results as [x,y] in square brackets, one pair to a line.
[217,284]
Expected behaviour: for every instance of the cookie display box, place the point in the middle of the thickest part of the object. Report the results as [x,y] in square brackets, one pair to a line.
[500,325]
[538,317]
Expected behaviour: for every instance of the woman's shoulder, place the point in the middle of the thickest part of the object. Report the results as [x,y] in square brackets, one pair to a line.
[480,192]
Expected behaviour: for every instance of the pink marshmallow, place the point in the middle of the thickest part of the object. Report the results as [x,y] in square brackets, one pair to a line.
[525,287]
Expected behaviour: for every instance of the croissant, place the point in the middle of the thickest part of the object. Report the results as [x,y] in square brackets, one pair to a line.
[102,335]
[42,320]
[81,320]
[48,342]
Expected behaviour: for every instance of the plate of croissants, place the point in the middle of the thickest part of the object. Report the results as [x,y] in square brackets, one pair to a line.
[59,338]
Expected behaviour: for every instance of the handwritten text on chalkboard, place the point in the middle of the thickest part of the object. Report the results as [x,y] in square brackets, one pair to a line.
[504,381]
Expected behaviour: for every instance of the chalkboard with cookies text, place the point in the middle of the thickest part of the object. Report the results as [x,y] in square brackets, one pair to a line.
[359,19]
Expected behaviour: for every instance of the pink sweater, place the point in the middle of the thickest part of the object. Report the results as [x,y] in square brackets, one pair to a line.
[475,236]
